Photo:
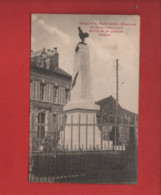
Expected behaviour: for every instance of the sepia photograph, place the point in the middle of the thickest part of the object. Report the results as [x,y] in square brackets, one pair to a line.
[84,84]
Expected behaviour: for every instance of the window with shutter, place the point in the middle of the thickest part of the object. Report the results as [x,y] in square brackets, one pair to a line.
[66,96]
[51,93]
[59,95]
[63,96]
[46,120]
[47,93]
[54,122]
[56,95]
[36,89]
[31,90]
[33,131]
[50,122]
[32,121]
[59,121]
[41,125]
[42,91]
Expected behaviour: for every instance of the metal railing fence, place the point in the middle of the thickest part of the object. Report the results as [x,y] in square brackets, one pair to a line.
[76,154]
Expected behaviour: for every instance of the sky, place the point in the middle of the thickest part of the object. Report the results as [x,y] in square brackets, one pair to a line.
[55,30]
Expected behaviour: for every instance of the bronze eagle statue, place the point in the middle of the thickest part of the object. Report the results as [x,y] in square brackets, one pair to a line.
[82,35]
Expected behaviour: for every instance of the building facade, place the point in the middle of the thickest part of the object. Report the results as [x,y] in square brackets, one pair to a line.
[49,92]
[126,121]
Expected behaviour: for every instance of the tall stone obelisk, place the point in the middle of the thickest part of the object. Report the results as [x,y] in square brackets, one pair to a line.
[81,130]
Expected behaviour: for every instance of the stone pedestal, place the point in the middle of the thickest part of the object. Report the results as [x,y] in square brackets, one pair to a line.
[81,129]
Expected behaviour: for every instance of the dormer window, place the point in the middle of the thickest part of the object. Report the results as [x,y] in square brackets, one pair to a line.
[40,62]
[47,63]
[44,55]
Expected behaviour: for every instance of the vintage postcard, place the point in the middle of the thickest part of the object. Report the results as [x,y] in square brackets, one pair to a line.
[84,83]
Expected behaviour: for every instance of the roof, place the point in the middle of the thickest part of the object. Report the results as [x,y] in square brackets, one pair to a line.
[105,101]
[43,51]
[108,104]
[57,71]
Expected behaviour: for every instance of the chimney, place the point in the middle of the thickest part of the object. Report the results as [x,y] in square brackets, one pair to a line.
[55,49]
[54,60]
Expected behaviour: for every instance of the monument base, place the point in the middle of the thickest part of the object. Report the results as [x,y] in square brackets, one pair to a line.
[81,131]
